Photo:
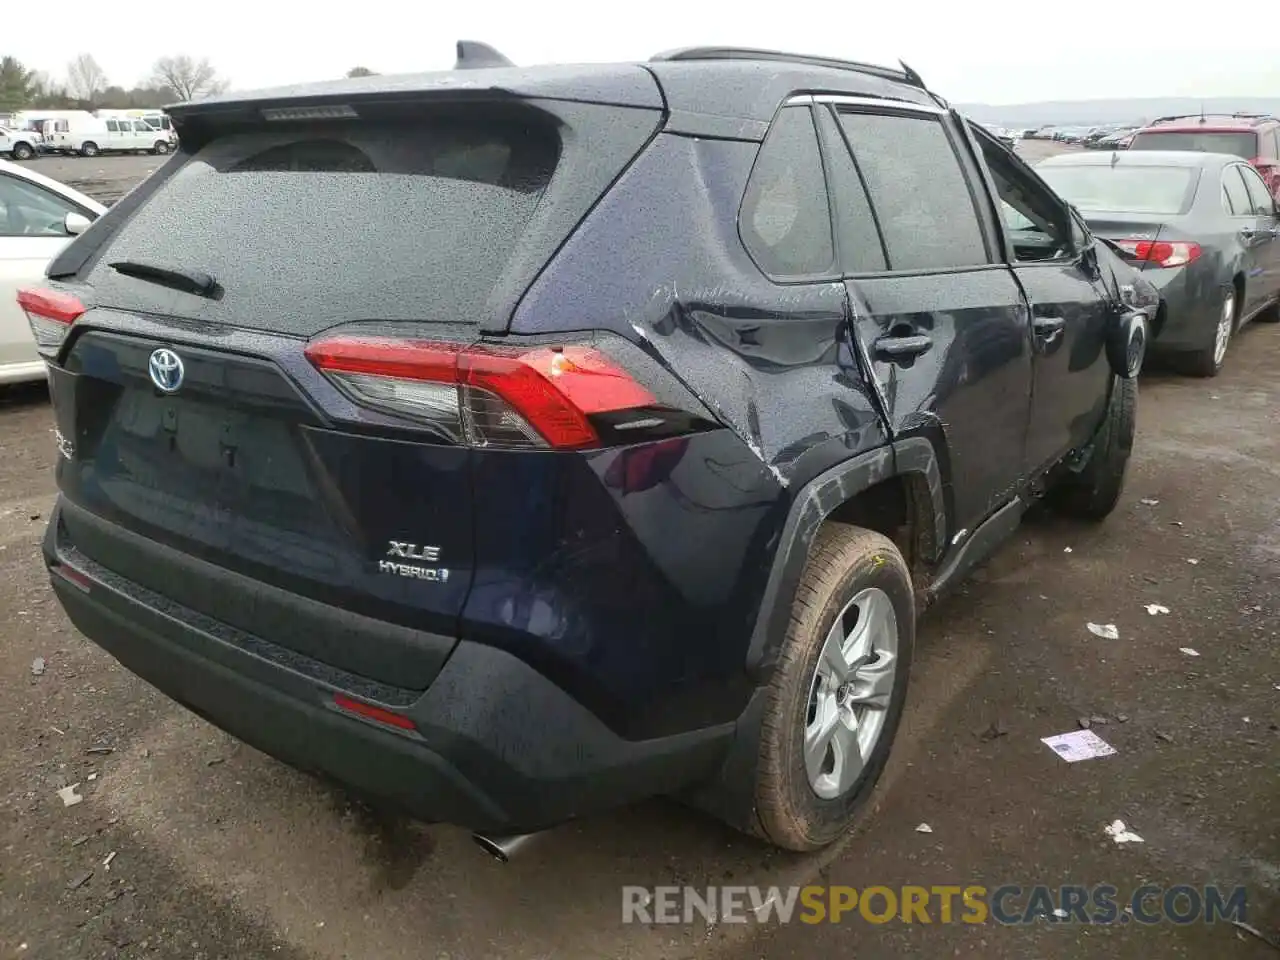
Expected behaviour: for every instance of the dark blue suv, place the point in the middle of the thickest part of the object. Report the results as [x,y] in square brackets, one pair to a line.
[512,444]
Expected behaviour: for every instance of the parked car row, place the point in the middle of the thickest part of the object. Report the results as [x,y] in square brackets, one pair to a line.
[662,435]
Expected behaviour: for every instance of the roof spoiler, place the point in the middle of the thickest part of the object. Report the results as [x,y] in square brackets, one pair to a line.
[474,55]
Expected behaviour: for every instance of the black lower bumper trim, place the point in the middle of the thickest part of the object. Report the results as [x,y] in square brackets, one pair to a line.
[497,748]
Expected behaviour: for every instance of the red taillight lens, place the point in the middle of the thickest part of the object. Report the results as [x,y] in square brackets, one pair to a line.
[371,712]
[488,395]
[1160,253]
[50,314]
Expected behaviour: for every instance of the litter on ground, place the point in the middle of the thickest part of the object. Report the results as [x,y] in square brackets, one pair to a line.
[1155,608]
[924,828]
[69,796]
[1149,501]
[1107,631]
[1118,832]
[37,666]
[1189,651]
[1078,745]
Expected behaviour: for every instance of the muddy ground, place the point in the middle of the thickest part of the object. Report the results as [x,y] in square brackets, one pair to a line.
[220,852]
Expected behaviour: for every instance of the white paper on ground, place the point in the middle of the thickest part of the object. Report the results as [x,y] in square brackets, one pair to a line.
[1078,745]
[1107,631]
[1118,832]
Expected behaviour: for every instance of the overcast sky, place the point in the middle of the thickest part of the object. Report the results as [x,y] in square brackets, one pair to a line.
[993,51]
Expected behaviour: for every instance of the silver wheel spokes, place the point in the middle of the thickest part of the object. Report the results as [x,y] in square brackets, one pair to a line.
[1225,323]
[850,694]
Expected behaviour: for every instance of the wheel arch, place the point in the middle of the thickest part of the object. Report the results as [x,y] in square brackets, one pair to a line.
[895,489]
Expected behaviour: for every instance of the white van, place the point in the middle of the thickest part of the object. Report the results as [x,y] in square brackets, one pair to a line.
[157,118]
[89,136]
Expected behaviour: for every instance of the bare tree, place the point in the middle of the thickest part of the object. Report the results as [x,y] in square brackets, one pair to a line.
[187,78]
[85,79]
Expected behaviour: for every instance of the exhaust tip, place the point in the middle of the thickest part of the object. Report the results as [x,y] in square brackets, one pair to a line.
[502,849]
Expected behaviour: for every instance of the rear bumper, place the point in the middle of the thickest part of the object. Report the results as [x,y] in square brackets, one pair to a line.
[1190,310]
[496,747]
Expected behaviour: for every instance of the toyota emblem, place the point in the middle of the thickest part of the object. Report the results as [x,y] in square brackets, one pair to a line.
[166,370]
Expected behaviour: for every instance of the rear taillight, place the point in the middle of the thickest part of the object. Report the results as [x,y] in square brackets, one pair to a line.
[563,397]
[1160,253]
[50,314]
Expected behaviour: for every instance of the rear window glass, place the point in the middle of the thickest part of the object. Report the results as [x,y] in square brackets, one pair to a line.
[1244,145]
[1135,189]
[305,227]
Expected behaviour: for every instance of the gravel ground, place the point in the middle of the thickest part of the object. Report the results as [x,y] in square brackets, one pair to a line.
[222,852]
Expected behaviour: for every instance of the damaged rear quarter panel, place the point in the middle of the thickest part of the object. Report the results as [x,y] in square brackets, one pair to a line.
[660,262]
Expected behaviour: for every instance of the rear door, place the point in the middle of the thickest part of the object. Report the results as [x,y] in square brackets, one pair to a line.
[942,327]
[1264,241]
[1069,312]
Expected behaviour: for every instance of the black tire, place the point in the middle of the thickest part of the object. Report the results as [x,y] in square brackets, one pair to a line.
[160,148]
[1205,362]
[1092,491]
[88,149]
[844,561]
[23,151]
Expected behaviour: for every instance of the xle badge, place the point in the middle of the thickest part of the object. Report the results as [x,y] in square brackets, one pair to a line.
[411,551]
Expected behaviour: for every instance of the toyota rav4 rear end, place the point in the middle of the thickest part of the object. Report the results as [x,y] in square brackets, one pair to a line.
[314,487]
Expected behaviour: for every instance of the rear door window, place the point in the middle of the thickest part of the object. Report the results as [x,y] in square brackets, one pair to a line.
[785,218]
[918,189]
[1237,195]
[1260,202]
[306,227]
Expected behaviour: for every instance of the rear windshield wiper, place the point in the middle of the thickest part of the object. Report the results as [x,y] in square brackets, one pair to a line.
[188,281]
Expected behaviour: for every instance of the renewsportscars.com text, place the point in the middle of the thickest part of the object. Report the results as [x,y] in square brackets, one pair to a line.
[1007,904]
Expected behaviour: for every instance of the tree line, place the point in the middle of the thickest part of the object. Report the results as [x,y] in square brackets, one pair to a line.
[87,87]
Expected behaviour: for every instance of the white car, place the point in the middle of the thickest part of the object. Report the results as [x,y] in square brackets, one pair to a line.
[19,144]
[38,217]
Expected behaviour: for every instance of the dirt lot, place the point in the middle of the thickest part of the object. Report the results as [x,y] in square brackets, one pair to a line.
[219,852]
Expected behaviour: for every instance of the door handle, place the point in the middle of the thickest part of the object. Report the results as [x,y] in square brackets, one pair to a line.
[899,348]
[1048,327]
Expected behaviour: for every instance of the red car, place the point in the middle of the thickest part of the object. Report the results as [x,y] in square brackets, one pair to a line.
[1251,136]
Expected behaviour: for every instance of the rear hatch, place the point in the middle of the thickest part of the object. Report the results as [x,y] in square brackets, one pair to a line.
[277,225]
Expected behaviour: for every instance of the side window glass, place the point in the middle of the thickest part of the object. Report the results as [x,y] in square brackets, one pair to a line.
[1037,221]
[1260,200]
[1241,205]
[786,217]
[1226,196]
[858,238]
[918,189]
[112,127]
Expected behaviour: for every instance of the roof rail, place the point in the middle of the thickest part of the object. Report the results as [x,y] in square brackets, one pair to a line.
[905,75]
[474,55]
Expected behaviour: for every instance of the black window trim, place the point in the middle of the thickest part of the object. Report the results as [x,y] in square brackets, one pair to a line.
[837,104]
[832,272]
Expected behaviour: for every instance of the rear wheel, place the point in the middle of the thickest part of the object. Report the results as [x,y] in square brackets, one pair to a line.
[837,693]
[160,148]
[22,151]
[89,149]
[1207,362]
[1092,491]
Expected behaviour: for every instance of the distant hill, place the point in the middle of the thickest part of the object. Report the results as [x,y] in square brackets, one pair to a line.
[1088,112]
